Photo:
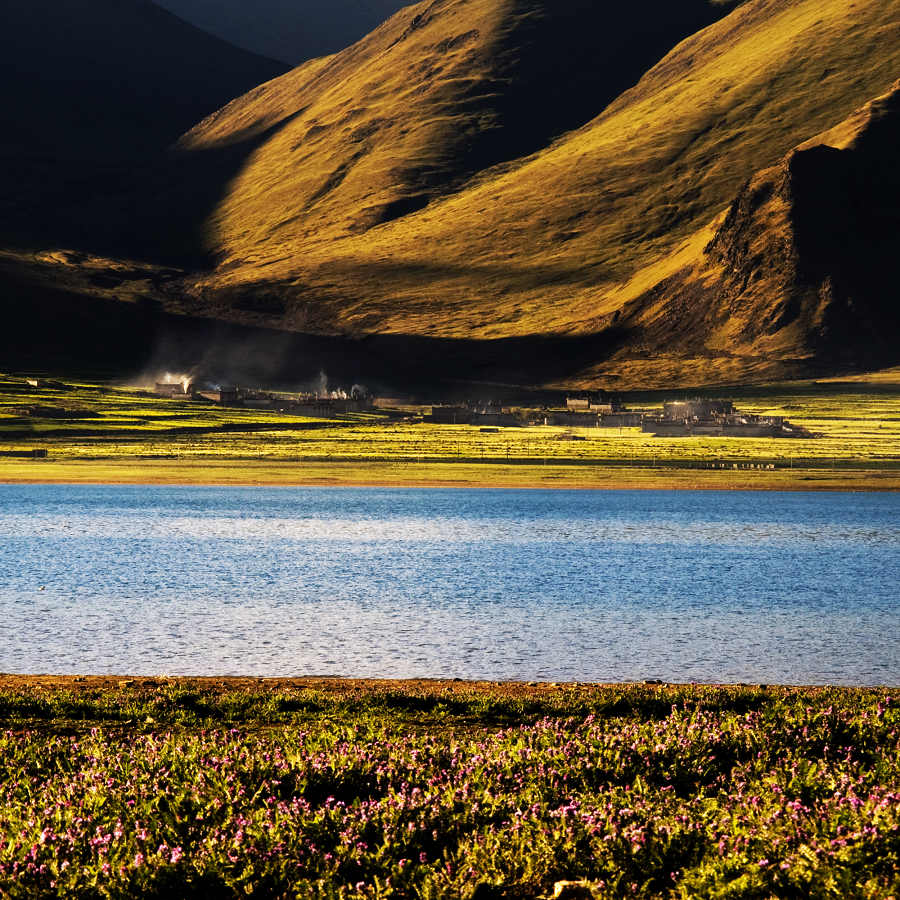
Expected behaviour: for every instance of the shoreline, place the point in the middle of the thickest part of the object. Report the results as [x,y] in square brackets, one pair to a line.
[433,475]
[343,685]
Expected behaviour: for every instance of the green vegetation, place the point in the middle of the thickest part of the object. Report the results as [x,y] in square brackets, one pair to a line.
[78,414]
[78,703]
[443,790]
[123,434]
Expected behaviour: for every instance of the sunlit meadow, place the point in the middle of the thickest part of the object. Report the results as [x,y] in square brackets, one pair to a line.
[856,427]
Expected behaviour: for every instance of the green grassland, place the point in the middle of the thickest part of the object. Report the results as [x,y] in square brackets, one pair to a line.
[328,789]
[98,410]
[109,430]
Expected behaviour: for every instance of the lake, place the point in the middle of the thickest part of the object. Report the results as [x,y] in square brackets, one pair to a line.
[794,588]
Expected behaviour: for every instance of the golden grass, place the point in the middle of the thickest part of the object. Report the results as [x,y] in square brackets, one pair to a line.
[889,377]
[128,411]
[552,243]
[435,475]
[353,129]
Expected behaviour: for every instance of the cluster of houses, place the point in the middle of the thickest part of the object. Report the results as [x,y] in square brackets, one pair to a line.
[678,418]
[595,412]
[582,412]
[319,405]
[475,413]
[716,418]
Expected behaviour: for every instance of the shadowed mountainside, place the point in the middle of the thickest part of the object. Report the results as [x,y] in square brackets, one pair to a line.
[289,30]
[92,90]
[108,320]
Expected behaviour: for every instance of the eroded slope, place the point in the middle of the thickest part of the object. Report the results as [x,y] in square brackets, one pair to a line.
[800,269]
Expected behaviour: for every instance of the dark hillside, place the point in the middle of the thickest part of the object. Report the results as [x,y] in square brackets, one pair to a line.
[117,323]
[106,78]
[289,30]
[92,87]
[559,64]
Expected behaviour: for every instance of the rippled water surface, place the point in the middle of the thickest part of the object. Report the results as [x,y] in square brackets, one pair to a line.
[558,585]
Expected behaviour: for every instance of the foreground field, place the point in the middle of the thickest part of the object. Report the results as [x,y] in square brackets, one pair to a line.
[317,788]
[95,432]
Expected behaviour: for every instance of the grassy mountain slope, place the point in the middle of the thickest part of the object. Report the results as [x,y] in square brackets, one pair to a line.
[801,266]
[401,191]
[441,92]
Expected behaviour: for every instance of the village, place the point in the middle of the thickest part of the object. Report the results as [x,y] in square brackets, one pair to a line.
[316,404]
[676,418]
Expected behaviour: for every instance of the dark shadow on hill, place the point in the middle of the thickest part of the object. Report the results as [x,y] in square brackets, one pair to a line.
[54,330]
[846,215]
[94,91]
[111,79]
[274,28]
[571,58]
[150,209]
[168,213]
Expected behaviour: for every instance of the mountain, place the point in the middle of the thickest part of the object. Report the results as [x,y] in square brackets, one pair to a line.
[493,170]
[94,86]
[105,78]
[544,192]
[441,92]
[290,30]
[801,267]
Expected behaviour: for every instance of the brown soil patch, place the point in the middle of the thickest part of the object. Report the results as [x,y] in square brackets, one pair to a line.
[339,687]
